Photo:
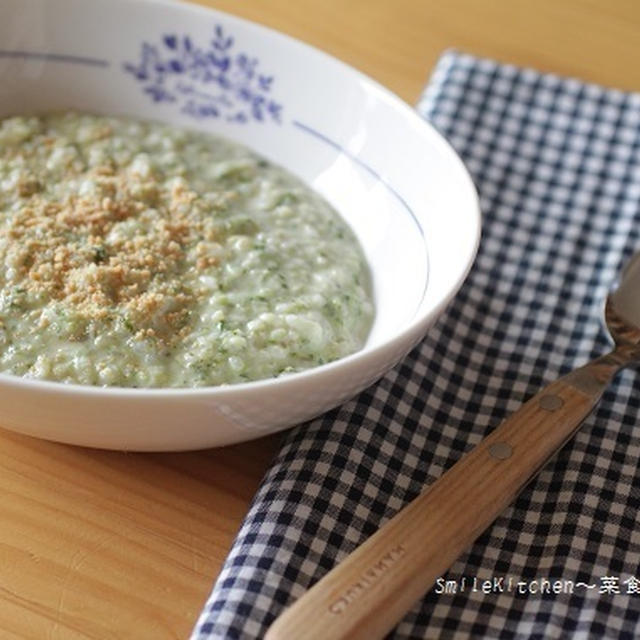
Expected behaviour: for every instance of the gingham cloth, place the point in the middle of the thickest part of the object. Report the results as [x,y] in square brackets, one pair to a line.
[557,165]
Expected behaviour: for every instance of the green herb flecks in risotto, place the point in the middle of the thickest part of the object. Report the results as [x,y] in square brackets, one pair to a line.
[139,254]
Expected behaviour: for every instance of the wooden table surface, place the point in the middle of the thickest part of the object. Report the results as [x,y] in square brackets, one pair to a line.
[97,544]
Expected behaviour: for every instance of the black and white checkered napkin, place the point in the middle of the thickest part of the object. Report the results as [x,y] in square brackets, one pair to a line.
[557,165]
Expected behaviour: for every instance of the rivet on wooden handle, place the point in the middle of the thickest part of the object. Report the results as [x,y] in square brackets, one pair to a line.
[365,596]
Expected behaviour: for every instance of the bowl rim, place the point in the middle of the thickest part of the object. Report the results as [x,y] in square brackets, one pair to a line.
[414,326]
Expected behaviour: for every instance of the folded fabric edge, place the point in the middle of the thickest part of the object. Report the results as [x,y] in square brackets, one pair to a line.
[453,57]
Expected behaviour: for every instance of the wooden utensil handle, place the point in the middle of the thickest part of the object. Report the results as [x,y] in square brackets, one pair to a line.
[366,594]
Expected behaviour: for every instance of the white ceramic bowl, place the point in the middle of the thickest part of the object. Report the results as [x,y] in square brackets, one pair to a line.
[390,174]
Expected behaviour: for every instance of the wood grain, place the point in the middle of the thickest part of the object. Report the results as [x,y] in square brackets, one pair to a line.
[97,544]
[109,545]
[397,42]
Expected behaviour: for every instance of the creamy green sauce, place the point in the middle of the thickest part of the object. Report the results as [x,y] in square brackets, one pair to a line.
[137,254]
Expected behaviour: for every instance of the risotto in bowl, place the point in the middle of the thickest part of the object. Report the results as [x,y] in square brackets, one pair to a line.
[209,231]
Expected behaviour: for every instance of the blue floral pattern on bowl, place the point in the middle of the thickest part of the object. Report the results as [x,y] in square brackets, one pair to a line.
[210,81]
